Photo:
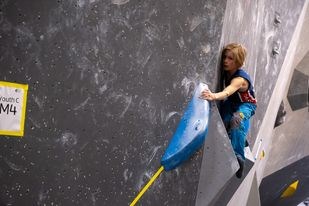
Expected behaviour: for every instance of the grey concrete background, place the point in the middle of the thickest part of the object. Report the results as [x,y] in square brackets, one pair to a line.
[287,158]
[108,83]
[289,142]
[298,90]
[267,76]
[252,23]
[254,195]
[218,155]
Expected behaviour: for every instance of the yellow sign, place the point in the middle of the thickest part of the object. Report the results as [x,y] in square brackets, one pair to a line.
[13,99]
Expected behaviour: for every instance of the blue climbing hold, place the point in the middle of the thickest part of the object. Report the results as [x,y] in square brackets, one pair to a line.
[190,133]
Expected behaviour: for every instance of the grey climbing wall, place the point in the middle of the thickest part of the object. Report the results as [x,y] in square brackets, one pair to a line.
[298,93]
[270,192]
[108,82]
[262,26]
[274,37]
[219,164]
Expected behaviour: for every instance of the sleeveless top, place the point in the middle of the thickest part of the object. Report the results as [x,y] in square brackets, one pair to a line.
[241,97]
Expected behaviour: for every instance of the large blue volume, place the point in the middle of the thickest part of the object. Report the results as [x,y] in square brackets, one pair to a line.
[190,133]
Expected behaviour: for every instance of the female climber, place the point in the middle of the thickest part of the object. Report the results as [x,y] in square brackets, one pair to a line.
[239,103]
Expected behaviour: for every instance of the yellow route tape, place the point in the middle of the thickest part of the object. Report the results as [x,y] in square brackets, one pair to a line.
[140,194]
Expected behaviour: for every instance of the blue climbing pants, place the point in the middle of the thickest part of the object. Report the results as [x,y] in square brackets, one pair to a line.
[236,118]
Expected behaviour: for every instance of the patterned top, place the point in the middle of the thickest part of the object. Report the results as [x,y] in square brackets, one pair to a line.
[241,97]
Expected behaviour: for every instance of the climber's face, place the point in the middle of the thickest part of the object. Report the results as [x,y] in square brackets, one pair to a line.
[229,63]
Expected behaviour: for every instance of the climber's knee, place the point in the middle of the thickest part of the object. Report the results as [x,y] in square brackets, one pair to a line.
[236,119]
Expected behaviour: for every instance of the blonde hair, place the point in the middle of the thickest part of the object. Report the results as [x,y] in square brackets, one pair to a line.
[239,52]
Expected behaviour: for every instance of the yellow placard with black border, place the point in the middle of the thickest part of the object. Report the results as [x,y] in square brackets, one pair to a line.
[13,100]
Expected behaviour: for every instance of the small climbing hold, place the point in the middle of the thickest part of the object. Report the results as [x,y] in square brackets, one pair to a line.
[290,190]
[262,154]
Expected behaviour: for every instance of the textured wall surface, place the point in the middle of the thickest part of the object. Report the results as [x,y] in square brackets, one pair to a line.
[253,24]
[108,82]
[283,178]
[219,165]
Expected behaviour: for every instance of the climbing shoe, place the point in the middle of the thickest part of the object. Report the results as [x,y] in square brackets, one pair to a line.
[241,163]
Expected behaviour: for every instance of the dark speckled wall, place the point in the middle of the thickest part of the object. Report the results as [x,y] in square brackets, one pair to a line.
[108,82]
